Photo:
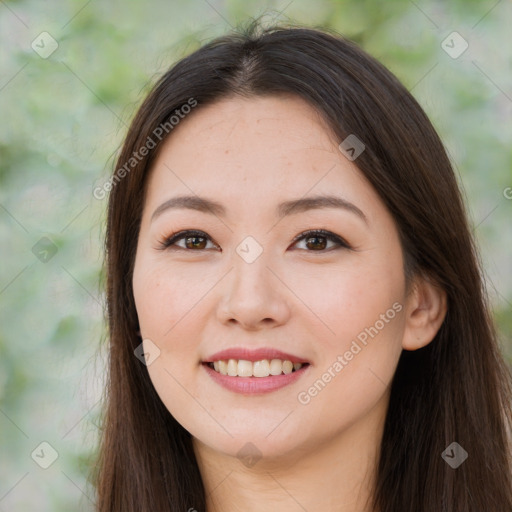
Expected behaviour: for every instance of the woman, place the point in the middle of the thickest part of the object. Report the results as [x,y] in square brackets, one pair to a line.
[296,313]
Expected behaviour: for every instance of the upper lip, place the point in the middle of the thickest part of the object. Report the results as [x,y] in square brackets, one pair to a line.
[253,355]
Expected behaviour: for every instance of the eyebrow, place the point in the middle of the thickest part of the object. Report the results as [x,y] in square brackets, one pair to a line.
[202,204]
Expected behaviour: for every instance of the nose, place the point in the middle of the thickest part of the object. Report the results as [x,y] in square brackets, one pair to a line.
[253,296]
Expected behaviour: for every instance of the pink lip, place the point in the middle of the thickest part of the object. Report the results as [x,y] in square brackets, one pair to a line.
[254,385]
[253,355]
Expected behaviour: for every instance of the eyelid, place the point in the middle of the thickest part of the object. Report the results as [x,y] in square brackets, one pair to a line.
[170,240]
[323,233]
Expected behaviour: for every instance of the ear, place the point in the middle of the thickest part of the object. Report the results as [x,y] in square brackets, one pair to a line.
[425,311]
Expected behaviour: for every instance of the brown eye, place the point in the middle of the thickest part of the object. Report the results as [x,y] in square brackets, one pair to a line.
[317,240]
[193,241]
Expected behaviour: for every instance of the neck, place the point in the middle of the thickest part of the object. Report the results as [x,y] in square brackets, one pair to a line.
[337,474]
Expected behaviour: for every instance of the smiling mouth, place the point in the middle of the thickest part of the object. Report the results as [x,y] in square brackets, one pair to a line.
[262,368]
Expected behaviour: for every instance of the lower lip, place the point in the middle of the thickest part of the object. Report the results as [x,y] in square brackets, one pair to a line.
[255,385]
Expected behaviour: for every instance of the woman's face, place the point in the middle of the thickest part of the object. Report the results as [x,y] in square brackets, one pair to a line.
[244,287]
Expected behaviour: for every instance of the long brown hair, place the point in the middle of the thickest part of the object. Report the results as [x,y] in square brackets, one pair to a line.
[456,389]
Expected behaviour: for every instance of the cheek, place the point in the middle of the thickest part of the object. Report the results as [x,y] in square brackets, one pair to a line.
[361,308]
[165,298]
[165,308]
[352,298]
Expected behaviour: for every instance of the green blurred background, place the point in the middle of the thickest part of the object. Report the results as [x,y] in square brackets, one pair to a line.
[64,112]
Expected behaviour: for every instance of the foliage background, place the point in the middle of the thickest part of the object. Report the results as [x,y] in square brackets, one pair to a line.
[63,119]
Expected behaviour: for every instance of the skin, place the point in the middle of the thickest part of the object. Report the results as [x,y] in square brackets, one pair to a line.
[250,155]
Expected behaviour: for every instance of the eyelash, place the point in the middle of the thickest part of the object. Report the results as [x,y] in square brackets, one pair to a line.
[171,240]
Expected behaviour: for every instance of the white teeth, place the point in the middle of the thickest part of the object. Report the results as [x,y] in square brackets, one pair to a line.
[276,367]
[244,368]
[287,367]
[262,368]
[232,368]
[223,367]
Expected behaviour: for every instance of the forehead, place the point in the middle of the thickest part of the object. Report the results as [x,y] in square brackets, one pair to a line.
[260,114]
[252,150]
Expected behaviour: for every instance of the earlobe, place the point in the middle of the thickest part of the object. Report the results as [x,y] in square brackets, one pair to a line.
[425,312]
